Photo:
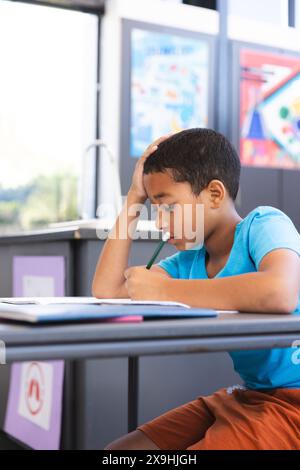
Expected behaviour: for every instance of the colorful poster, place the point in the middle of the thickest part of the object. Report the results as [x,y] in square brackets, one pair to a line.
[169,85]
[270,109]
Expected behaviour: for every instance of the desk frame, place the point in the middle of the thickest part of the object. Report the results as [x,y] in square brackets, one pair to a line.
[229,332]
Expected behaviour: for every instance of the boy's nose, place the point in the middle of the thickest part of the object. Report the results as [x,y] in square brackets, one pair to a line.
[161,222]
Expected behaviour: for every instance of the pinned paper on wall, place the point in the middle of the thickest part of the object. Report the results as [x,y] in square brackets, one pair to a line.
[35,401]
[38,276]
[34,408]
[38,284]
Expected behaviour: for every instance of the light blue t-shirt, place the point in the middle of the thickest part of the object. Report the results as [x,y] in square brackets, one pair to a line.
[265,229]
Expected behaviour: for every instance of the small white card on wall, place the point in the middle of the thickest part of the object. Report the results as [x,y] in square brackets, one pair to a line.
[36,391]
[38,286]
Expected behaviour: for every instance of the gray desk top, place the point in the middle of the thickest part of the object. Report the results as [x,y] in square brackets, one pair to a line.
[86,340]
[70,233]
[48,235]
[225,324]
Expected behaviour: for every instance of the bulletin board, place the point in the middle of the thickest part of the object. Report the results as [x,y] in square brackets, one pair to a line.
[268,85]
[168,85]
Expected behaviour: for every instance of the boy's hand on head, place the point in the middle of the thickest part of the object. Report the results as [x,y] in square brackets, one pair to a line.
[137,185]
[144,284]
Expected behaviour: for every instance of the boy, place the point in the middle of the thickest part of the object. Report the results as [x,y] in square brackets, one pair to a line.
[247,265]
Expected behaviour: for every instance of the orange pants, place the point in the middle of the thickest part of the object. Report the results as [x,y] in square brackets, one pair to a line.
[237,419]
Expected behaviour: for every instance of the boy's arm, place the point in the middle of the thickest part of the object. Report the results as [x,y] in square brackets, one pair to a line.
[109,280]
[273,289]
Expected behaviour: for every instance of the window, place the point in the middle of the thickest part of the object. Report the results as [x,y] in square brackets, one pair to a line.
[48,92]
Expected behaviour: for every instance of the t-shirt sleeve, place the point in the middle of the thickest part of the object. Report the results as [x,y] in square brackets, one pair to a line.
[272,230]
[171,265]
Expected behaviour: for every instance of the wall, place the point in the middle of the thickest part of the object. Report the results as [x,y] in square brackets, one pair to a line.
[271,11]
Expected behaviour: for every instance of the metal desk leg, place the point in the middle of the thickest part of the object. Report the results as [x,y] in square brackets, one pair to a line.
[133,392]
[70,402]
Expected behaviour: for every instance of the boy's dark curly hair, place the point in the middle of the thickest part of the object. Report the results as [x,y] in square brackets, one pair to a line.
[198,156]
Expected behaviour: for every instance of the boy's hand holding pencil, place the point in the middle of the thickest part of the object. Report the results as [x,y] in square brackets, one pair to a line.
[145,284]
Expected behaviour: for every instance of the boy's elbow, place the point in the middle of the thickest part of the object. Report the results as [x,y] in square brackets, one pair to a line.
[284,307]
[103,293]
[289,305]
[96,292]
[282,299]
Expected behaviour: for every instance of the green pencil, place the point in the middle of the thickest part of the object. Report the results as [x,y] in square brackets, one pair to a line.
[165,238]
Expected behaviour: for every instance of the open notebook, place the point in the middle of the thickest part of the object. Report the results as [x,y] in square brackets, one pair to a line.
[60,309]
[84,301]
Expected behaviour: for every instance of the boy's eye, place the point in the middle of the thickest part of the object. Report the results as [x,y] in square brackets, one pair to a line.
[170,208]
[164,207]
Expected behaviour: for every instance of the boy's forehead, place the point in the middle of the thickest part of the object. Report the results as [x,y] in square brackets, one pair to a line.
[159,185]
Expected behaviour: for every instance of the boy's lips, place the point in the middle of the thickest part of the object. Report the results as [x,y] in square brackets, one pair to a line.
[172,240]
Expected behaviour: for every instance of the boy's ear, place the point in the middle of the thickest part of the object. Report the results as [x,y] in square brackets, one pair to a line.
[216,191]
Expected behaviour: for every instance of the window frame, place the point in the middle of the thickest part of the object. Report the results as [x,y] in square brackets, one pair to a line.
[98,13]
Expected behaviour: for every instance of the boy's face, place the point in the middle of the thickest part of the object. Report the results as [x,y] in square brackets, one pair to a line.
[179,211]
